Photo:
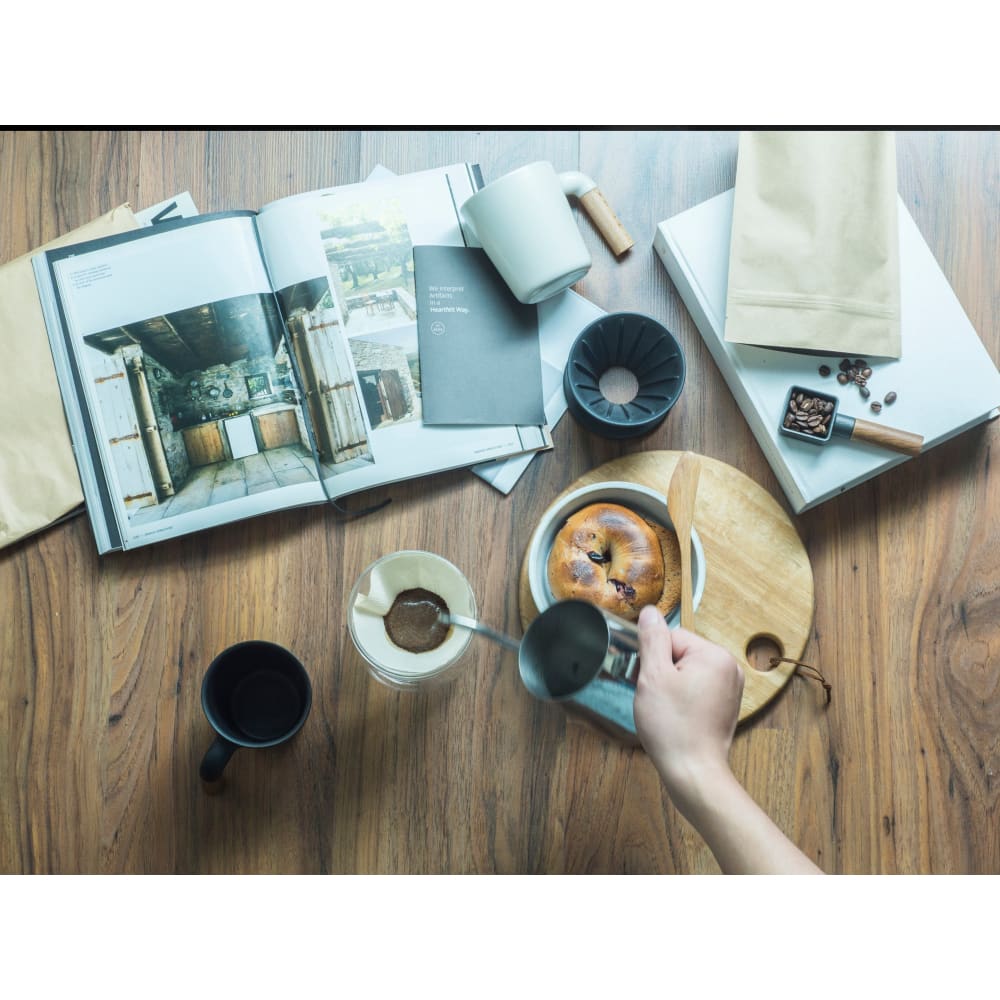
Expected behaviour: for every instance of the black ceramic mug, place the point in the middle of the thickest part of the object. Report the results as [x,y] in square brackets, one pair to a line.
[255,694]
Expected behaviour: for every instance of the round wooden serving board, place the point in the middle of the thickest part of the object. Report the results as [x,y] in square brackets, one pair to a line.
[758,579]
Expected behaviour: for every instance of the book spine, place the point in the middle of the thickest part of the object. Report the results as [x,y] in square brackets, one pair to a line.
[687,287]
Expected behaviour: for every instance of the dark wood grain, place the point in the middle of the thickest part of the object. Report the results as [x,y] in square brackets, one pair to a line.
[101,659]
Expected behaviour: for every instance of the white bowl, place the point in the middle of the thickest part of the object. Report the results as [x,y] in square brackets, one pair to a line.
[644,501]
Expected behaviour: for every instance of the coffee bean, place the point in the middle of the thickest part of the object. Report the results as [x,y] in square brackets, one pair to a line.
[859,364]
[842,378]
[808,415]
[876,407]
[860,380]
[890,398]
[865,392]
[824,370]
[867,372]
[844,365]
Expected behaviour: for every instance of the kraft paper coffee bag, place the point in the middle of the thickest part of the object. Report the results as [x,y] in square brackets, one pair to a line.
[814,258]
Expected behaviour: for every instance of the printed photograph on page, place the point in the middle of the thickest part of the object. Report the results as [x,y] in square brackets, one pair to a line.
[353,246]
[186,377]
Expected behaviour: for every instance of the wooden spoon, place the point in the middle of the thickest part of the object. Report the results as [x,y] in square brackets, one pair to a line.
[680,504]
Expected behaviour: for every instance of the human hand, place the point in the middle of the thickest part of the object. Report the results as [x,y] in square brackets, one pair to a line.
[687,703]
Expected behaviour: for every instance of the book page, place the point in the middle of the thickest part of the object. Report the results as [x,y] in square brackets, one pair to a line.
[341,262]
[561,319]
[184,408]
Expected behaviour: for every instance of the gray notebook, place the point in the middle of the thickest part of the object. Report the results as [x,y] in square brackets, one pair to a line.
[480,361]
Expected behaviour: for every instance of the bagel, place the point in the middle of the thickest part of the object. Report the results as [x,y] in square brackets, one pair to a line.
[610,556]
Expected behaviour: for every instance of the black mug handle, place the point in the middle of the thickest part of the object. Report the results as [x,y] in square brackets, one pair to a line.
[216,758]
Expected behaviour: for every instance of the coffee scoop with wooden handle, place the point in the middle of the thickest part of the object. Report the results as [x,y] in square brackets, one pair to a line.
[812,416]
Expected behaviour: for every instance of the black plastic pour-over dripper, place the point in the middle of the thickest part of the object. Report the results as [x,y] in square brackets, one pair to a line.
[638,345]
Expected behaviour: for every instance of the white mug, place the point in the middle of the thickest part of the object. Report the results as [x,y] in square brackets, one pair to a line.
[524,223]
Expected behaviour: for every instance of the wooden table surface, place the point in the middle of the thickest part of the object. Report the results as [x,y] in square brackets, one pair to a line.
[101,659]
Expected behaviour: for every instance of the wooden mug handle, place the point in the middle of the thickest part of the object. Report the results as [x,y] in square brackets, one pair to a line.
[888,437]
[606,222]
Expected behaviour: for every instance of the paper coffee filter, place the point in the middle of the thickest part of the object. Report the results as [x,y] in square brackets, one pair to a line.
[387,579]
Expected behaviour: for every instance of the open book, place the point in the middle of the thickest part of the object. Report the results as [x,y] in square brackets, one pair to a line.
[229,365]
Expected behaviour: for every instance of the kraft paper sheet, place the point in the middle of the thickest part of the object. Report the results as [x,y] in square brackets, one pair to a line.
[39,483]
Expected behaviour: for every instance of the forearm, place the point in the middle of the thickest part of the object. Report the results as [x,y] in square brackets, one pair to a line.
[741,836]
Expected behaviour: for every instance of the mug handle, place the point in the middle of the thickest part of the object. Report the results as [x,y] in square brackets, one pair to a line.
[623,647]
[216,758]
[596,206]
[623,666]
